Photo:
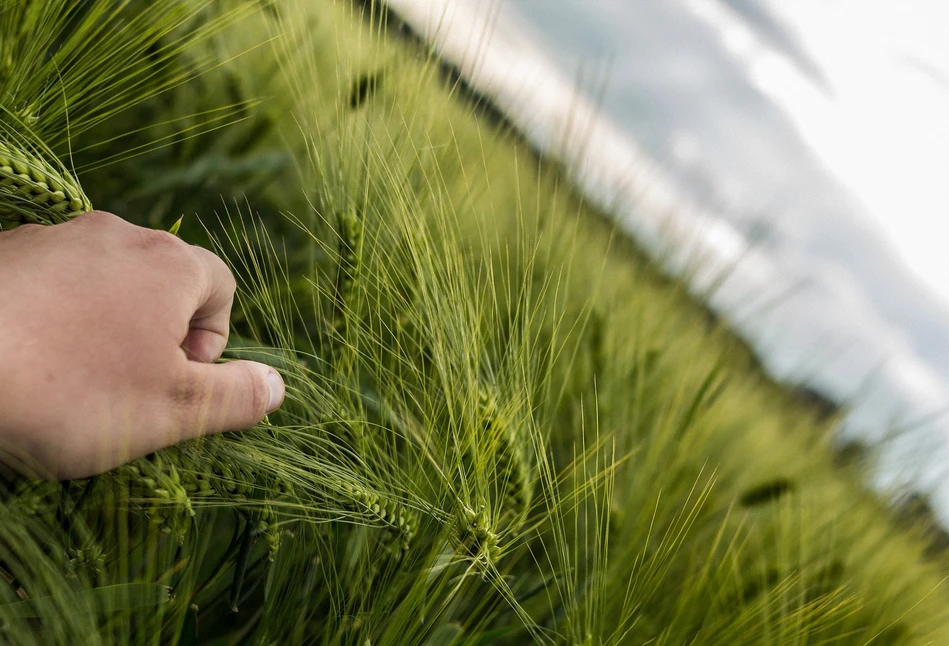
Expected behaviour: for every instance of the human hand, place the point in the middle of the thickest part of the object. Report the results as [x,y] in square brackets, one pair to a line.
[108,337]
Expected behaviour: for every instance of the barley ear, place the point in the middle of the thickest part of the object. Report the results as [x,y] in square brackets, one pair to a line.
[34,189]
[512,468]
[350,231]
[380,510]
[476,537]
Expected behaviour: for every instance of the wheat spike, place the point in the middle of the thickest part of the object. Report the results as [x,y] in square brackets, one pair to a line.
[397,518]
[37,497]
[350,247]
[476,536]
[172,478]
[512,469]
[157,483]
[88,560]
[268,527]
[33,190]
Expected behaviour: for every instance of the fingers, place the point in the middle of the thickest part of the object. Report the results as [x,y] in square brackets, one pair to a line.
[207,336]
[203,345]
[221,397]
[203,277]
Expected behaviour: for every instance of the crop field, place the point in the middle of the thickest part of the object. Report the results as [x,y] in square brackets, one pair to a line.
[503,424]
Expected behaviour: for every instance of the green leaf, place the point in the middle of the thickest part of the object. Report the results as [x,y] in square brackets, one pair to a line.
[176,226]
[445,635]
[492,636]
[106,599]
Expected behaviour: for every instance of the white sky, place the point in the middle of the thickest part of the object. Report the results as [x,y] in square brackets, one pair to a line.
[885,130]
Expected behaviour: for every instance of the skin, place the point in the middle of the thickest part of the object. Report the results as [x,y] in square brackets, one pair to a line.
[109,334]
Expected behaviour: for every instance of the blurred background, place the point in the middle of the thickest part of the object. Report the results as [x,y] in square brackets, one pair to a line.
[791,159]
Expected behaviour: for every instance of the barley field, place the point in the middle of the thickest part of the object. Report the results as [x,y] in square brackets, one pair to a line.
[503,424]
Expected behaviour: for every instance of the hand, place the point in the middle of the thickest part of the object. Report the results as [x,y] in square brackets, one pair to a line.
[108,337]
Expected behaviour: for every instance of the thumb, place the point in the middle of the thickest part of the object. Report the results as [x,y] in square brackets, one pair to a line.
[230,396]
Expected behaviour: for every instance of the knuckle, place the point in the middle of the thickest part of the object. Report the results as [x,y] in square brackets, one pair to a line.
[230,283]
[100,218]
[155,240]
[217,268]
[165,251]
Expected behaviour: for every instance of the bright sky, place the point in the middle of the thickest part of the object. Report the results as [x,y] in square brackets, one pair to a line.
[884,131]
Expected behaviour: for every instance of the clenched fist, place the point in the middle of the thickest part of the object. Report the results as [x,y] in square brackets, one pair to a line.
[109,335]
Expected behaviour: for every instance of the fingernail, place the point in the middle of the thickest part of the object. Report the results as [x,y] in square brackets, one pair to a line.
[277,391]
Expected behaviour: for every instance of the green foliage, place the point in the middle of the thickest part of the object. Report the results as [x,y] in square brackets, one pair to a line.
[68,66]
[502,425]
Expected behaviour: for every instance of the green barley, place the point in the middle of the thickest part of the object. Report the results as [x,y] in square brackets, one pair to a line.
[34,190]
[397,518]
[156,482]
[172,479]
[176,226]
[86,561]
[37,497]
[350,231]
[512,469]
[269,528]
[476,537]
